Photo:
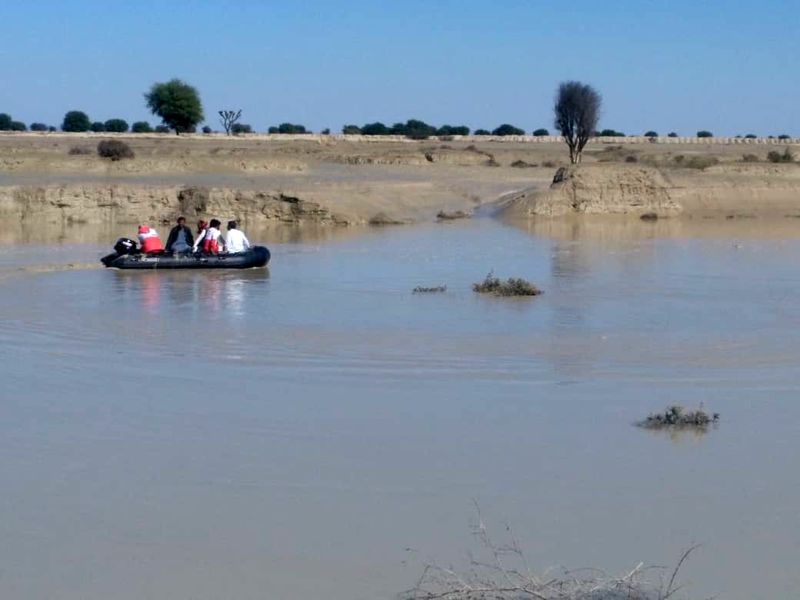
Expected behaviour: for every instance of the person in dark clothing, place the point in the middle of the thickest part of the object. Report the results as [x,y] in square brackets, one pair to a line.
[180,238]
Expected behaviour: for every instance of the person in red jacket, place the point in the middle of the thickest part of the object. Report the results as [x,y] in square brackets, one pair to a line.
[149,240]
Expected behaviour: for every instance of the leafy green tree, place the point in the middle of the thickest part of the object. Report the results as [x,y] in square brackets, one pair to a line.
[38,127]
[18,126]
[611,133]
[5,122]
[176,103]
[97,127]
[541,132]
[162,129]
[272,129]
[704,134]
[672,134]
[506,129]
[239,128]
[141,127]
[417,130]
[76,121]
[206,129]
[116,125]
[650,134]
[376,128]
[290,128]
[784,136]
[452,130]
[482,132]
[351,130]
[750,136]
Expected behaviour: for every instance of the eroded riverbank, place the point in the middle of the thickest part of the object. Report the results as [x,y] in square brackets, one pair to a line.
[354,182]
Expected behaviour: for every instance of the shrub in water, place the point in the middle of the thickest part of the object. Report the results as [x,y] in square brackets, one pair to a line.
[678,417]
[114,149]
[511,287]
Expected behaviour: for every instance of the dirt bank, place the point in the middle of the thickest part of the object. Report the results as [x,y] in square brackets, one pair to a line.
[722,190]
[335,180]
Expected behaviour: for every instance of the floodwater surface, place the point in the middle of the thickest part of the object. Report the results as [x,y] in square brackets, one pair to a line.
[317,430]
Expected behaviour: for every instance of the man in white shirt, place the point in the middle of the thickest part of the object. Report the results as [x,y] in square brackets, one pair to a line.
[236,240]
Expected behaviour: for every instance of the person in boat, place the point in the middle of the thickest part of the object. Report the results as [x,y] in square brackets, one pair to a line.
[201,235]
[149,241]
[213,242]
[236,241]
[180,240]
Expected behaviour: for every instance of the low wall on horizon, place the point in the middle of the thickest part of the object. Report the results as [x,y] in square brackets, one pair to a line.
[321,138]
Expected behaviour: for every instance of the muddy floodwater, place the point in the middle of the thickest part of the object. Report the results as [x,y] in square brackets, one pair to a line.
[317,430]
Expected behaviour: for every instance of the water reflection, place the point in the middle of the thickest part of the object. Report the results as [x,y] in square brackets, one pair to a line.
[208,295]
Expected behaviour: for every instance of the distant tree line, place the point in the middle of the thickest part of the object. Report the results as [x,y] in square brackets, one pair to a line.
[178,106]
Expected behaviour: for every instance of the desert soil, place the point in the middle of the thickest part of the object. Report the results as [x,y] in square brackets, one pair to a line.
[59,179]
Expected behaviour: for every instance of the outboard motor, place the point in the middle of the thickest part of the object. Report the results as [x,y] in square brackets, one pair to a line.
[121,248]
[125,246]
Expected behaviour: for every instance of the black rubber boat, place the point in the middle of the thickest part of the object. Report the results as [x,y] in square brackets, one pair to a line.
[125,256]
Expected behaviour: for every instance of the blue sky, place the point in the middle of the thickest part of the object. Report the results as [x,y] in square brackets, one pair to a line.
[678,65]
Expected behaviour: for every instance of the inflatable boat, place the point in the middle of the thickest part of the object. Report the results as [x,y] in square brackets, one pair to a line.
[125,256]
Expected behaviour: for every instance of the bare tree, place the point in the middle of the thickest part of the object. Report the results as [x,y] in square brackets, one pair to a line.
[228,118]
[577,110]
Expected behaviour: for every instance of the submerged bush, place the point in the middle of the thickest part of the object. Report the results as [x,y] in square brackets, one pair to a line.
[437,289]
[114,150]
[677,416]
[511,287]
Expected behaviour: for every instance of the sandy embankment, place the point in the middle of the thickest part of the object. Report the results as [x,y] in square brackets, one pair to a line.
[722,190]
[43,179]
